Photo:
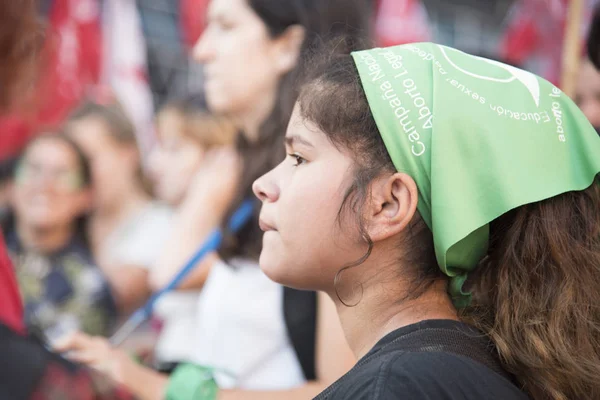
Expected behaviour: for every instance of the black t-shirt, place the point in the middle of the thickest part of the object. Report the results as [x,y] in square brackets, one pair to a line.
[435,359]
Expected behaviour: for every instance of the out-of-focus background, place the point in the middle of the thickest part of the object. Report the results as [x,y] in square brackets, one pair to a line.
[140,50]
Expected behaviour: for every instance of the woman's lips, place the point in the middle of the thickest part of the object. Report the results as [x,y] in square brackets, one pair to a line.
[265,227]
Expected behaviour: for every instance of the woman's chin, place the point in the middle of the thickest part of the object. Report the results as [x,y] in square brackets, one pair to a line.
[282,273]
[217,102]
[271,268]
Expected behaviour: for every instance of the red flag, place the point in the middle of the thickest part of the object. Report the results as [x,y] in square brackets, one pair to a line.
[193,20]
[11,308]
[14,134]
[401,21]
[125,69]
[535,32]
[72,61]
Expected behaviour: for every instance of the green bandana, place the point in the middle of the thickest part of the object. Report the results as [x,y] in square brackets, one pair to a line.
[479,138]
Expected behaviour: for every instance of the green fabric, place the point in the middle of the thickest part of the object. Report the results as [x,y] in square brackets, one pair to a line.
[479,137]
[192,382]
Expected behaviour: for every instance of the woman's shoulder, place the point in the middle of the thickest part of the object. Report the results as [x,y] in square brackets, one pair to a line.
[423,375]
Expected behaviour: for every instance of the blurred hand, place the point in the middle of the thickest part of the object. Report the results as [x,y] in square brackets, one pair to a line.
[97,353]
[216,181]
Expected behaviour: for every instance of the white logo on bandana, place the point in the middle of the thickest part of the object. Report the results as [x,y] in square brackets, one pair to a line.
[529,80]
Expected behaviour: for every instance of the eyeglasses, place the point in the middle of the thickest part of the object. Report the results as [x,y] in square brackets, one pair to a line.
[28,173]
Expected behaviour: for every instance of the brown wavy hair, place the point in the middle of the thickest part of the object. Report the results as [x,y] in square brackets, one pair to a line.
[21,38]
[537,292]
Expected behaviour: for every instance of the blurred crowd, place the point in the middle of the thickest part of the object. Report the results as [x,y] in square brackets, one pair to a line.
[121,178]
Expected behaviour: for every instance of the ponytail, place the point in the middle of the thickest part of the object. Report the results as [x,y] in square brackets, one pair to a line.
[537,295]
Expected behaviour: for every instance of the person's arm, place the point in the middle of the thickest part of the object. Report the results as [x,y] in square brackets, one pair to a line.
[97,353]
[129,285]
[200,213]
[195,279]
[146,384]
[334,359]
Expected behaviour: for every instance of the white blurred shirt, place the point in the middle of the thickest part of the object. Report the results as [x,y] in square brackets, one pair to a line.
[241,330]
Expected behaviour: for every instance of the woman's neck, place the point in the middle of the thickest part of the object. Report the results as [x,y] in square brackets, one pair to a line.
[44,240]
[379,312]
[251,120]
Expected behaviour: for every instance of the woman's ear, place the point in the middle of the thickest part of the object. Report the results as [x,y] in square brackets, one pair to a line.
[287,48]
[392,205]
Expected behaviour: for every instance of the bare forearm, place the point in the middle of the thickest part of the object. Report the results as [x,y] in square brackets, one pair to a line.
[195,279]
[307,391]
[146,384]
[129,285]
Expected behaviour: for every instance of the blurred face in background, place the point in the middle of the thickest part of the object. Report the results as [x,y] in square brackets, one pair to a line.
[49,189]
[115,166]
[587,94]
[174,160]
[243,63]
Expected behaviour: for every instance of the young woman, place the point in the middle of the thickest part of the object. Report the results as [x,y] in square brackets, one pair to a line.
[62,288]
[259,339]
[127,228]
[448,205]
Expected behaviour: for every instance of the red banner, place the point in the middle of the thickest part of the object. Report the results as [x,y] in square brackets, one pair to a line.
[401,21]
[72,61]
[535,32]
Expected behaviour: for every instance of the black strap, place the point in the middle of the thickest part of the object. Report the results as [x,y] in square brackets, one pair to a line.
[300,314]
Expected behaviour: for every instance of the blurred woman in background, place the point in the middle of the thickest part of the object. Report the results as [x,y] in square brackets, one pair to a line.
[127,229]
[61,285]
[254,339]
[50,375]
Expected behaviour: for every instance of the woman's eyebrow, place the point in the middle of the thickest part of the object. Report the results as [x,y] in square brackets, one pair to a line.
[291,139]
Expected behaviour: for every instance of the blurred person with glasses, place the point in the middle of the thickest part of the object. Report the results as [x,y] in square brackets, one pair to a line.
[62,288]
[28,370]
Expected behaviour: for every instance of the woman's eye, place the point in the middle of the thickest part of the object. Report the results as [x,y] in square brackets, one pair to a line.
[299,160]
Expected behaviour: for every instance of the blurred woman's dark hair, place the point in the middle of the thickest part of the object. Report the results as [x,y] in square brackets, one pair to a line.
[321,19]
[593,40]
